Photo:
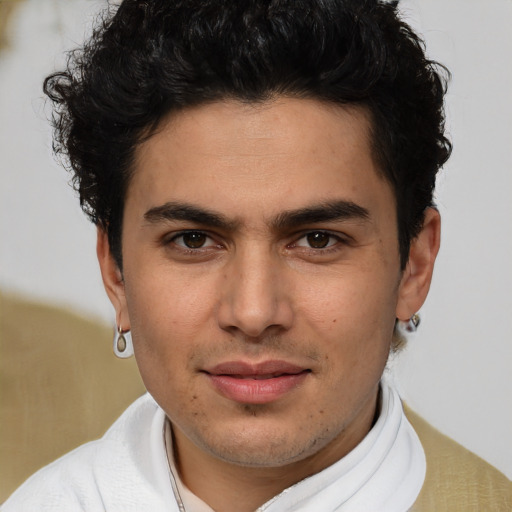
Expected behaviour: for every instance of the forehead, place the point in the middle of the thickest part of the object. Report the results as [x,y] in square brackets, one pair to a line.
[283,153]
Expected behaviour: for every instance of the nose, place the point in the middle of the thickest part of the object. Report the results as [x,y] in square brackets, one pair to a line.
[255,299]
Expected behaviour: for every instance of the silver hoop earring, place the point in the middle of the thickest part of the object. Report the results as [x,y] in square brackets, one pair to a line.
[410,325]
[123,346]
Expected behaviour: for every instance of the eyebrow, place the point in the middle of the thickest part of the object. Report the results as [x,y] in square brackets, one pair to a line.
[324,212]
[190,213]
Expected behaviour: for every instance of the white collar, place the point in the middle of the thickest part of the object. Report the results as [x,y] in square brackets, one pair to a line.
[383,473]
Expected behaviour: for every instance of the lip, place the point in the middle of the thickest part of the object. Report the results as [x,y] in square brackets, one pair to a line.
[255,383]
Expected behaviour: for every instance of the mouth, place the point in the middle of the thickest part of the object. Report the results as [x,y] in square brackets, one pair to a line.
[260,377]
[256,384]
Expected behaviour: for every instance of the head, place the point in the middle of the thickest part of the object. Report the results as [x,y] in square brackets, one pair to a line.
[261,174]
[149,60]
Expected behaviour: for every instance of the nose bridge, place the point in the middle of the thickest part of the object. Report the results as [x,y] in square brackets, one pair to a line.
[253,298]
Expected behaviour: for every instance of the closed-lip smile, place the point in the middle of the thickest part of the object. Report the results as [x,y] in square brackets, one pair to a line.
[258,383]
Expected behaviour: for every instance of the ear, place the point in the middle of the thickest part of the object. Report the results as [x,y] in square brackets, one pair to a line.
[112,280]
[417,276]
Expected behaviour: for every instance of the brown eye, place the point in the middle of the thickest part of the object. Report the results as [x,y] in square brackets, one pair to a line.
[194,239]
[318,239]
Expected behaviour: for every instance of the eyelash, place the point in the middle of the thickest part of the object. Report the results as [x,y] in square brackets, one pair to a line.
[330,247]
[184,248]
[337,243]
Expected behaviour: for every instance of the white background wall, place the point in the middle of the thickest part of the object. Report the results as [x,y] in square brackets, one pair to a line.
[457,371]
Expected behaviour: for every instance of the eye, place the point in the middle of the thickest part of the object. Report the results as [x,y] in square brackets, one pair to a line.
[317,240]
[193,240]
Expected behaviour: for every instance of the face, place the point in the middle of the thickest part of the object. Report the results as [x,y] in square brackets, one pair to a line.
[261,279]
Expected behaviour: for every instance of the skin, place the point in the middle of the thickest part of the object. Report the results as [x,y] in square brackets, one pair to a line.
[246,285]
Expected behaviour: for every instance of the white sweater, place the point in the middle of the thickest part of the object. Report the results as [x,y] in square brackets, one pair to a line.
[127,471]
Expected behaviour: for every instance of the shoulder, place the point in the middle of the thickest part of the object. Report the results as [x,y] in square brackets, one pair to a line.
[109,470]
[457,479]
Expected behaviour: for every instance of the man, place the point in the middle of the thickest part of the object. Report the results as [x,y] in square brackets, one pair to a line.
[261,174]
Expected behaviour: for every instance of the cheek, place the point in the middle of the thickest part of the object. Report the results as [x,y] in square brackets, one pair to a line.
[349,299]
[169,298]
[354,317]
[167,317]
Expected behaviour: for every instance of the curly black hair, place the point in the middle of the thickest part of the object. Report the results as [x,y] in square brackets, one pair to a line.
[149,58]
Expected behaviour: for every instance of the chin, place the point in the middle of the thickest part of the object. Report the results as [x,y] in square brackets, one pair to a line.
[264,447]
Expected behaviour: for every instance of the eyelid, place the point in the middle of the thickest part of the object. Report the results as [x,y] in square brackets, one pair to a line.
[211,241]
[338,237]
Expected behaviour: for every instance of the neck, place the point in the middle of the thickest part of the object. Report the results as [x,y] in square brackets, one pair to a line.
[228,487]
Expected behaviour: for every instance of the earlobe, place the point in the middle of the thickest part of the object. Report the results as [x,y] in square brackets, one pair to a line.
[112,279]
[417,276]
